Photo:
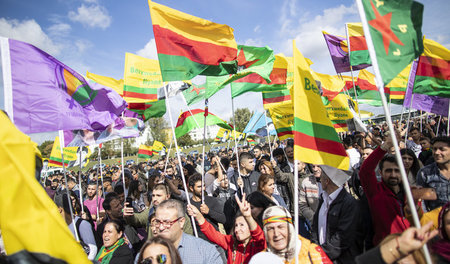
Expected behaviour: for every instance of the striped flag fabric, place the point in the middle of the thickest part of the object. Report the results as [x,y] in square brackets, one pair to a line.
[186,121]
[188,46]
[251,141]
[70,154]
[157,146]
[222,135]
[145,152]
[283,119]
[359,53]
[275,99]
[397,87]
[315,139]
[433,71]
[116,85]
[338,47]
[255,82]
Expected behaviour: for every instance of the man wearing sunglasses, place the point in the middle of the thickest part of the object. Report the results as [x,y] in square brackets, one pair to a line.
[169,221]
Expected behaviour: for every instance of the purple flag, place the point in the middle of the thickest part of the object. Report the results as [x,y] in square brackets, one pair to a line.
[123,127]
[42,94]
[338,48]
[427,103]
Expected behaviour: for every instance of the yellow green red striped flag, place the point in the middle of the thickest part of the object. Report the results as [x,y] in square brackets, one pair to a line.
[188,46]
[315,139]
[141,79]
[145,152]
[359,53]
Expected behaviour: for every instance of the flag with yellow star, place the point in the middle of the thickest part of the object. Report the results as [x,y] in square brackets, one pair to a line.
[395,28]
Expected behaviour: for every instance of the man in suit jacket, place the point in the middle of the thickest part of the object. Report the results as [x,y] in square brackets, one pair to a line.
[336,221]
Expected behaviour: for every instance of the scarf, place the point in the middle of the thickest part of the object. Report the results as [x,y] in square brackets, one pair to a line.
[442,246]
[278,214]
[105,254]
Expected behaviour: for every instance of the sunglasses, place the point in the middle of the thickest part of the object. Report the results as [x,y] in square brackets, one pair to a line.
[160,259]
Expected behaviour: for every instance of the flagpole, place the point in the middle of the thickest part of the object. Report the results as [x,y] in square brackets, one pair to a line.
[448,120]
[61,144]
[268,135]
[421,113]
[296,204]
[380,85]
[198,126]
[203,150]
[96,200]
[167,156]
[437,129]
[123,168]
[235,146]
[79,181]
[179,160]
[101,170]
[351,69]
[409,117]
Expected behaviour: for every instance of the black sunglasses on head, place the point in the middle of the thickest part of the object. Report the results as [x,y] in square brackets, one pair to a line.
[160,259]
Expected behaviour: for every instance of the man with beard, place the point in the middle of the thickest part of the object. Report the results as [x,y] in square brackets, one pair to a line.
[51,190]
[91,201]
[386,198]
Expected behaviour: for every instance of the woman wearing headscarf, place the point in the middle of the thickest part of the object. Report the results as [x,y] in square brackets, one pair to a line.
[441,248]
[282,239]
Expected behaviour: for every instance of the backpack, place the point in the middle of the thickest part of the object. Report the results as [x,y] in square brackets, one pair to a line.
[85,246]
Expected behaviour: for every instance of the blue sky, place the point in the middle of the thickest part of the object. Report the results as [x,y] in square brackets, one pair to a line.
[93,35]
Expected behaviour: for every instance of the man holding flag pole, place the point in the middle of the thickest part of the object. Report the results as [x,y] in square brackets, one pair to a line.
[392,45]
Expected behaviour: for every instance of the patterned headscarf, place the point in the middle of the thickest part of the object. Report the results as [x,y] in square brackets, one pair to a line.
[278,214]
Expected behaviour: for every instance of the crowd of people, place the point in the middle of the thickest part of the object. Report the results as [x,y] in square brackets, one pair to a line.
[241,210]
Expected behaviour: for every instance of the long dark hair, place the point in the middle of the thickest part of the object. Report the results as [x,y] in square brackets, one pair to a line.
[416,165]
[133,190]
[174,256]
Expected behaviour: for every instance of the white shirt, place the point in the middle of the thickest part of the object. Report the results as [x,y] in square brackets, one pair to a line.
[354,156]
[323,212]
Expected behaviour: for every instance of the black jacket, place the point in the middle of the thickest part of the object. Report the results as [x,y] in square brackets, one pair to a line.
[250,182]
[342,224]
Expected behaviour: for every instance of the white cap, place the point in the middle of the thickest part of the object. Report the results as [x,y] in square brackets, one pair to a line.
[337,176]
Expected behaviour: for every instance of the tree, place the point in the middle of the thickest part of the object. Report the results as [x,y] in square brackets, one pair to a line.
[243,116]
[185,140]
[128,146]
[46,148]
[108,149]
[157,130]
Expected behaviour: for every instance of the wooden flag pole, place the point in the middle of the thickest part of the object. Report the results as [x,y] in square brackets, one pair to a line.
[380,85]
[351,69]
[69,200]
[179,159]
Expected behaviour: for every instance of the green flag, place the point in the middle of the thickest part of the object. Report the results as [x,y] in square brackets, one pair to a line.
[154,109]
[196,92]
[395,28]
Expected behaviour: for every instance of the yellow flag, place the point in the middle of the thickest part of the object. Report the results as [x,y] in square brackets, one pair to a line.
[157,146]
[70,155]
[141,79]
[315,140]
[116,85]
[29,220]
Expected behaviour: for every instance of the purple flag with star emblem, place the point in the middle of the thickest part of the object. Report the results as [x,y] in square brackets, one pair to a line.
[42,94]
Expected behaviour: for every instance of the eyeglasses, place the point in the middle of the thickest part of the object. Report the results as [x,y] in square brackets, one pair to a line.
[166,224]
[160,259]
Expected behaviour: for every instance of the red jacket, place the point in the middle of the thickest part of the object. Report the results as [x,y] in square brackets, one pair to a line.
[387,211]
[256,244]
